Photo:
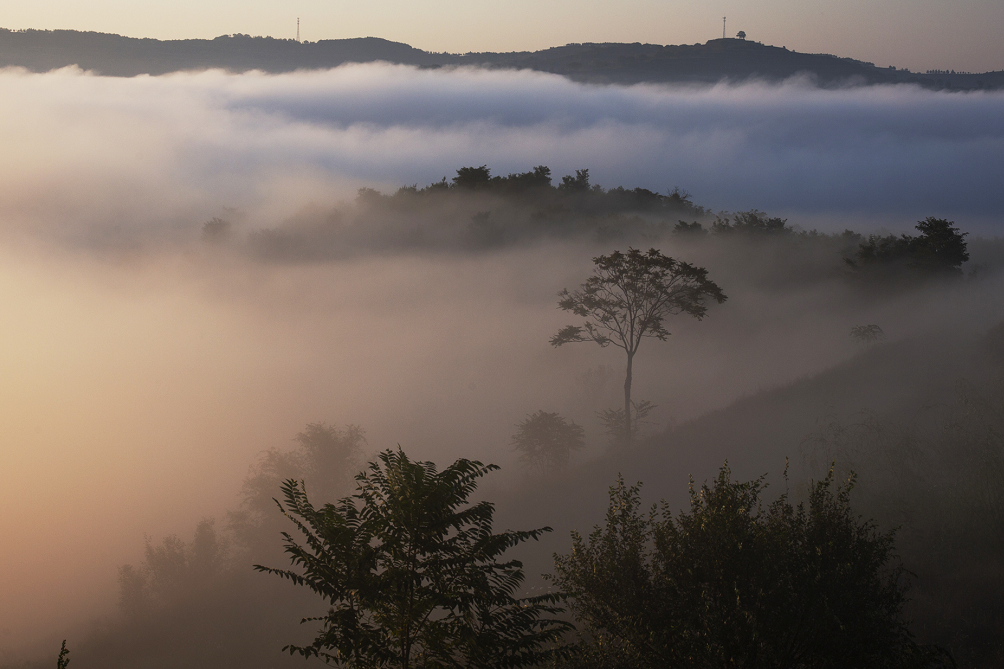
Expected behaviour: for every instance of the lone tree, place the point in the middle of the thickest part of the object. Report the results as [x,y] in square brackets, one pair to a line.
[413,573]
[627,299]
[545,441]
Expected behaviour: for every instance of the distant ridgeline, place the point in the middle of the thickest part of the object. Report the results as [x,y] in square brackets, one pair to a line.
[720,59]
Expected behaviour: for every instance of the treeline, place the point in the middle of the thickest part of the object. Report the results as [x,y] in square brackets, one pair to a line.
[939,250]
[474,211]
[480,211]
[772,580]
[193,601]
[535,187]
[736,578]
[414,575]
[777,584]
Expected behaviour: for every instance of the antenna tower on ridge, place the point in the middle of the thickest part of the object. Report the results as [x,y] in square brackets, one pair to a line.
[297,28]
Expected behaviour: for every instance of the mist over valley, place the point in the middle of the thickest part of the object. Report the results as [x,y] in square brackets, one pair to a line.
[199,267]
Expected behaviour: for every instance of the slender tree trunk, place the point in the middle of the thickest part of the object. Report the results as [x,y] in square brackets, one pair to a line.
[627,401]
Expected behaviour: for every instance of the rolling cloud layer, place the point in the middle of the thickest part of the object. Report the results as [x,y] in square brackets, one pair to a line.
[89,159]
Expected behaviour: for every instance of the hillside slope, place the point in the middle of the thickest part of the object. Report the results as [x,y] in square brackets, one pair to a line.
[757,433]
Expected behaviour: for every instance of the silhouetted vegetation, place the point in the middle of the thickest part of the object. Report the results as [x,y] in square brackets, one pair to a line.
[612,421]
[735,582]
[195,601]
[752,223]
[940,250]
[172,570]
[473,211]
[326,456]
[546,440]
[412,572]
[481,212]
[867,334]
[63,661]
[627,299]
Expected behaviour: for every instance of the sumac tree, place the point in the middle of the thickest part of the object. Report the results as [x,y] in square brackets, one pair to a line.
[413,573]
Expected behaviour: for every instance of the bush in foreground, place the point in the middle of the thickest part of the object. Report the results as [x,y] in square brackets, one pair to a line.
[733,583]
[413,573]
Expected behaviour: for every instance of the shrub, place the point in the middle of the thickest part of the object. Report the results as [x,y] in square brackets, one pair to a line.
[412,573]
[733,583]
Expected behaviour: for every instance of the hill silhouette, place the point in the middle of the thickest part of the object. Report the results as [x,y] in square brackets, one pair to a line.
[732,60]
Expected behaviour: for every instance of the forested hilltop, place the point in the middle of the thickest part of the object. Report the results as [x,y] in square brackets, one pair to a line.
[732,60]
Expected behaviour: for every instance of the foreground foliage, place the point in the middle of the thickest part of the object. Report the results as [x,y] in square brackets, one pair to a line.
[63,661]
[735,584]
[412,572]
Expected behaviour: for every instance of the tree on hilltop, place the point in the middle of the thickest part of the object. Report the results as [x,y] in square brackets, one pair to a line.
[940,250]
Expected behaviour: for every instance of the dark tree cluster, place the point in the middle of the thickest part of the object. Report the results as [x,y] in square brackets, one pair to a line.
[751,223]
[737,583]
[939,250]
[545,441]
[413,576]
[413,573]
[576,192]
[477,210]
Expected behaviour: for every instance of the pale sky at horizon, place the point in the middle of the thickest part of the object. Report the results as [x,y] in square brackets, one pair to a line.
[916,34]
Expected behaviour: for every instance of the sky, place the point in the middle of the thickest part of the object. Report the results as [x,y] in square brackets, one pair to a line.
[915,34]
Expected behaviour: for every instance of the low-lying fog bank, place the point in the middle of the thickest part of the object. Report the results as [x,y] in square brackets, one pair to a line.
[139,392]
[104,161]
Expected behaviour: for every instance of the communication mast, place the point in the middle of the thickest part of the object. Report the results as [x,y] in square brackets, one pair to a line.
[297,28]
[723,28]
